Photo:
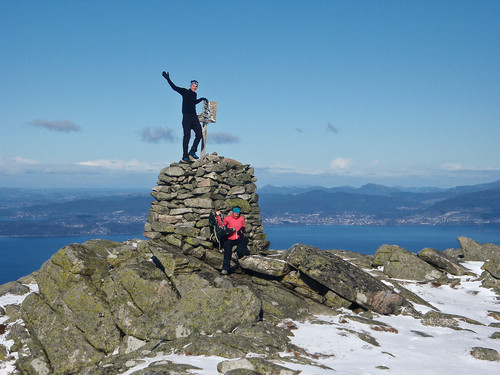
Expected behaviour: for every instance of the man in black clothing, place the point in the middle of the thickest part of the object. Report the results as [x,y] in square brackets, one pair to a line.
[189,117]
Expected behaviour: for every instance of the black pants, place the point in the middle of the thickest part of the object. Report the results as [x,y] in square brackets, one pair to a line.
[241,250]
[190,121]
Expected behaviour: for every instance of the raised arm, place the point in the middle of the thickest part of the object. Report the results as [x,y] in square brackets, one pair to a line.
[167,77]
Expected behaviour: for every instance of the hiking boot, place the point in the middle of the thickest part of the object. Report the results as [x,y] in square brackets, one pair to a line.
[193,155]
[185,159]
[224,272]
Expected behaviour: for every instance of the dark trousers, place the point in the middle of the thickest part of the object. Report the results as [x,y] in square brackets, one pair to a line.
[241,250]
[190,121]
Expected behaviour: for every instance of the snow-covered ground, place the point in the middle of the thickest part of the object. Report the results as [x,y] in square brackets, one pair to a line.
[406,345]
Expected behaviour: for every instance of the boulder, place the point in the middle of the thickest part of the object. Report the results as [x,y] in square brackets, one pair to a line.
[280,303]
[262,338]
[3,353]
[13,287]
[138,294]
[400,263]
[38,366]
[473,251]
[255,365]
[173,171]
[442,261]
[66,283]
[345,279]
[488,281]
[263,265]
[485,354]
[209,310]
[493,268]
[64,344]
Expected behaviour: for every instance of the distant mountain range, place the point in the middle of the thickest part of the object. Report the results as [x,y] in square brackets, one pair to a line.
[381,205]
[24,212]
[374,189]
[62,212]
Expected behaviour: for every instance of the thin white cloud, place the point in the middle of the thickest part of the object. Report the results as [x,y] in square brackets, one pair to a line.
[460,167]
[339,164]
[120,165]
[56,125]
[347,168]
[21,160]
[452,166]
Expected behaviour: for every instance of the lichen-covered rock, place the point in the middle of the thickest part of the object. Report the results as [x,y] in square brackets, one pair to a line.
[13,287]
[442,261]
[256,365]
[345,279]
[66,283]
[262,338]
[493,268]
[209,310]
[485,354]
[400,263]
[38,366]
[439,319]
[382,255]
[138,293]
[358,259]
[264,265]
[173,260]
[279,303]
[473,251]
[488,281]
[64,344]
[3,353]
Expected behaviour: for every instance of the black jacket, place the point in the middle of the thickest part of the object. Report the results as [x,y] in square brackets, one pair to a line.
[189,98]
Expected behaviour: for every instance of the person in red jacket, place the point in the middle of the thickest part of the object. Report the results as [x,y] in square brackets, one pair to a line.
[236,222]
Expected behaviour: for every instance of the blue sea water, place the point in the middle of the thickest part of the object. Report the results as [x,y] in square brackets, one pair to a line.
[21,256]
[367,239]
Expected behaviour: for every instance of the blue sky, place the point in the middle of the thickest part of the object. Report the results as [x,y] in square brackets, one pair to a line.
[309,92]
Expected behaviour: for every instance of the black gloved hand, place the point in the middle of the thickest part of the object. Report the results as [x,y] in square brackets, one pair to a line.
[204,99]
[241,231]
[165,75]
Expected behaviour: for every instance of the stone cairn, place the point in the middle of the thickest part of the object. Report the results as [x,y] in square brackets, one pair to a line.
[186,194]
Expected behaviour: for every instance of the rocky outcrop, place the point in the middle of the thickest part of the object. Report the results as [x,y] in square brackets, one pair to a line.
[345,279]
[100,307]
[443,262]
[186,194]
[485,354]
[471,250]
[400,263]
[265,265]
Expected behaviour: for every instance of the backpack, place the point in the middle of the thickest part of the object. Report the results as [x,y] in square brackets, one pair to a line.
[218,231]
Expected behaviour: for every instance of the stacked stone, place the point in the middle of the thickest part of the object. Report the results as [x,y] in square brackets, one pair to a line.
[186,194]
